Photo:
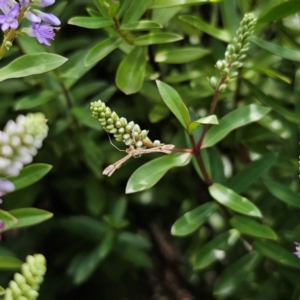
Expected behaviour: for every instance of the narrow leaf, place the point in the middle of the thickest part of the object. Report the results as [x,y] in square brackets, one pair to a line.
[91,22]
[283,193]
[233,200]
[131,71]
[287,114]
[193,219]
[207,28]
[150,173]
[9,220]
[101,50]
[276,49]
[215,249]
[175,104]
[10,263]
[277,253]
[30,216]
[30,175]
[182,55]
[140,26]
[250,227]
[251,172]
[174,3]
[235,119]
[206,120]
[31,64]
[157,38]
[136,10]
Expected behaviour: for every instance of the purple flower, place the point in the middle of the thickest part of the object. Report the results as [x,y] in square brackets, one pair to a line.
[41,32]
[9,20]
[43,3]
[33,18]
[24,3]
[49,18]
[6,5]
[297,253]
[5,186]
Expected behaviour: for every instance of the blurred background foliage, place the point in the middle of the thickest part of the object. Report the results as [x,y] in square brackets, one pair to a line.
[105,244]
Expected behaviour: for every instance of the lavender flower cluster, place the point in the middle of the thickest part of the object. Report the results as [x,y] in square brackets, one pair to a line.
[14,11]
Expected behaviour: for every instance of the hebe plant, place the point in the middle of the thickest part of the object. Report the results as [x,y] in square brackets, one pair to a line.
[211,87]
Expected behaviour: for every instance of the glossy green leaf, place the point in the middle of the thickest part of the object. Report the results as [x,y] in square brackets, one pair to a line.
[276,49]
[84,117]
[283,193]
[101,50]
[91,22]
[10,263]
[280,11]
[157,38]
[131,71]
[175,104]
[31,64]
[193,219]
[237,272]
[29,175]
[136,10]
[150,173]
[215,249]
[235,119]
[251,172]
[180,56]
[35,100]
[206,120]
[287,114]
[219,34]
[277,253]
[9,220]
[250,227]
[29,216]
[234,201]
[140,26]
[174,3]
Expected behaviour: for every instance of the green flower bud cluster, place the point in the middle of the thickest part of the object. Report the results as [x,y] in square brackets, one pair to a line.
[25,286]
[129,133]
[235,52]
[19,142]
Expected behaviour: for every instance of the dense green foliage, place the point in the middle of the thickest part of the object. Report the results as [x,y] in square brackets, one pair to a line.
[215,223]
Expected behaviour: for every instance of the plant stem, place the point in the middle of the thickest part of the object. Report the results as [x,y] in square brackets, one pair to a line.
[123,34]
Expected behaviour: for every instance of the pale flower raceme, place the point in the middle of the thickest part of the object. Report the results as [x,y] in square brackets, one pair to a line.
[19,142]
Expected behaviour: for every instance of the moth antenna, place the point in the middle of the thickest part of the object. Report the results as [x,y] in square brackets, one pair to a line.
[114,145]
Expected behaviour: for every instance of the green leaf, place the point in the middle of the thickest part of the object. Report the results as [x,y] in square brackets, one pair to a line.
[29,216]
[215,249]
[283,193]
[136,10]
[91,22]
[174,3]
[250,227]
[233,200]
[8,219]
[251,172]
[29,175]
[193,219]
[35,100]
[157,38]
[287,114]
[235,119]
[150,173]
[237,272]
[277,253]
[101,50]
[140,26]
[83,116]
[10,263]
[175,104]
[31,64]
[207,28]
[131,71]
[212,119]
[182,55]
[280,11]
[276,49]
